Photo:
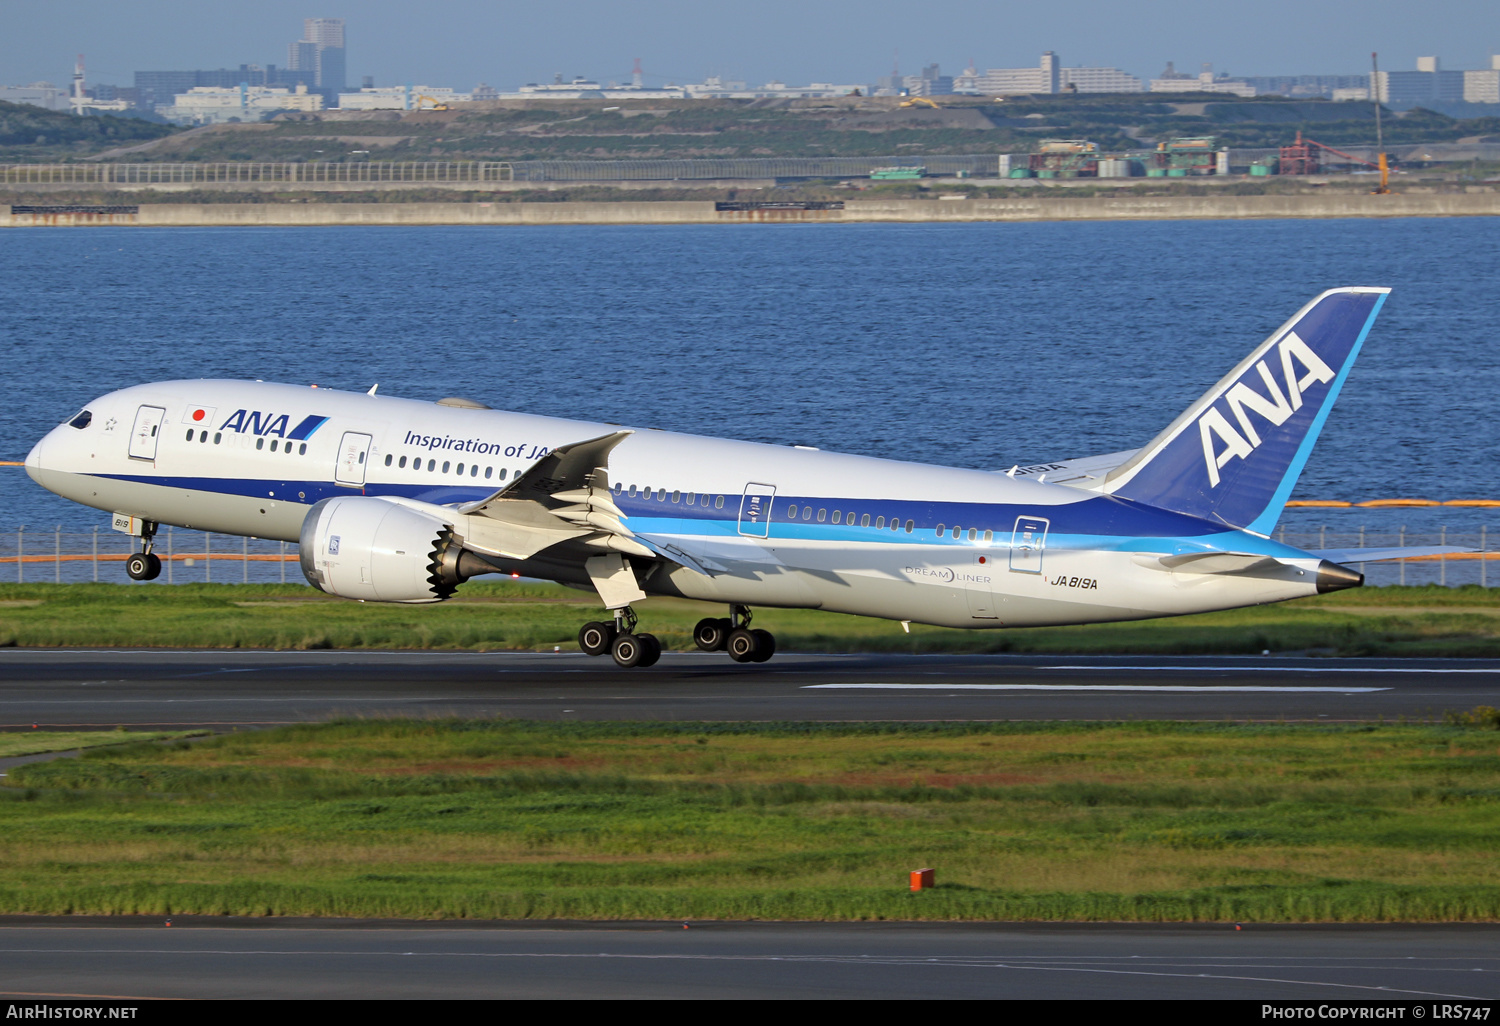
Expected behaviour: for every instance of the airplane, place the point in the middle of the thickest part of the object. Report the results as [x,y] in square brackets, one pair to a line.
[400,500]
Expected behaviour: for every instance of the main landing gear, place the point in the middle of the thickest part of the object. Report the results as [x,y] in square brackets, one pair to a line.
[620,640]
[735,636]
[145,565]
[731,634]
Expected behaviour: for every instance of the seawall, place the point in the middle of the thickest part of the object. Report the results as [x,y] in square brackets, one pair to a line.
[1091,208]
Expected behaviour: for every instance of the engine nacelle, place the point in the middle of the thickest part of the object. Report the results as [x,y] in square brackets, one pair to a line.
[363,547]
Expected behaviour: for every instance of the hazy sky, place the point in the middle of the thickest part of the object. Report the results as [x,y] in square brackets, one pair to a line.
[506,43]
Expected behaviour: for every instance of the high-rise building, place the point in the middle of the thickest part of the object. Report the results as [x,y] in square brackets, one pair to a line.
[1428,84]
[320,52]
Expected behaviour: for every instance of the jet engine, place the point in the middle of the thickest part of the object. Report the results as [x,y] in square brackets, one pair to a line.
[375,549]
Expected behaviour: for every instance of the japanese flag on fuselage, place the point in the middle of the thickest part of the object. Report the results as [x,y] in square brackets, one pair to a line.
[199,416]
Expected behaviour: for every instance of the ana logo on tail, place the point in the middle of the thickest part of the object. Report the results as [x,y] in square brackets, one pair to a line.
[1276,406]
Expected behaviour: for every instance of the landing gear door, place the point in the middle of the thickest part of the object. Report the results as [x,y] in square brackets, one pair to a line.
[354,450]
[755,510]
[143,436]
[1027,544]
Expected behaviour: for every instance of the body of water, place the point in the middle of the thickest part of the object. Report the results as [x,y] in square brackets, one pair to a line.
[977,345]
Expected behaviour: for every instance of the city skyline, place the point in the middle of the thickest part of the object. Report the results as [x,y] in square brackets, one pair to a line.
[508,44]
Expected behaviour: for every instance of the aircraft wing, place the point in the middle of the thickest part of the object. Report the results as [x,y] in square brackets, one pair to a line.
[1385,555]
[564,496]
[1085,472]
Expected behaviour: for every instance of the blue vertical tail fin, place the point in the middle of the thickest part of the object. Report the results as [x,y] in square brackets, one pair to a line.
[1235,454]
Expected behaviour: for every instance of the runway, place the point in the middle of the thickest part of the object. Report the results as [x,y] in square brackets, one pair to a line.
[211,958]
[76,688]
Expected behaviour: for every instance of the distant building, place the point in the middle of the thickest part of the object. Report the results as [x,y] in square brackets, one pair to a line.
[1100,80]
[1309,86]
[1428,84]
[1046,77]
[408,97]
[320,53]
[1173,81]
[931,82]
[212,105]
[1483,86]
[38,94]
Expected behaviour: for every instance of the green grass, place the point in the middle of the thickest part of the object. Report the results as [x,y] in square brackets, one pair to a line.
[34,742]
[1051,821]
[1425,621]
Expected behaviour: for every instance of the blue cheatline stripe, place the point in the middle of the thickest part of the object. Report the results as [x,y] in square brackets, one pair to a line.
[1264,523]
[303,431]
[1141,529]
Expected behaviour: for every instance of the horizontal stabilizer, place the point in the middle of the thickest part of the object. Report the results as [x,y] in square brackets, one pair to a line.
[1386,555]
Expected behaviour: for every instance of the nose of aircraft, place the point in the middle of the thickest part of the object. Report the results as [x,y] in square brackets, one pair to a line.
[36,458]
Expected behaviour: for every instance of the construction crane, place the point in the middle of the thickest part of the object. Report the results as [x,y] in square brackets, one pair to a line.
[1384,187]
[1301,158]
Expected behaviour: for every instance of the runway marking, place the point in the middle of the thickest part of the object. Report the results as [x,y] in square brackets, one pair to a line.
[1185,688]
[1033,964]
[1280,669]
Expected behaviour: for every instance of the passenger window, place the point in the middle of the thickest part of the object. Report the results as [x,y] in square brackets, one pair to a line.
[910,526]
[864,521]
[941,530]
[217,436]
[838,516]
[691,498]
[895,523]
[203,436]
[632,491]
[989,536]
[460,470]
[402,464]
[646,492]
[190,434]
[806,512]
[957,531]
[446,465]
[661,495]
[822,515]
[880,523]
[676,496]
[474,470]
[502,473]
[273,447]
[718,502]
[302,449]
[431,466]
[973,534]
[389,459]
[488,472]
[260,443]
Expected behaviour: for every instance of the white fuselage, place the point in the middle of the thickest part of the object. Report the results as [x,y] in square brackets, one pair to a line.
[773,525]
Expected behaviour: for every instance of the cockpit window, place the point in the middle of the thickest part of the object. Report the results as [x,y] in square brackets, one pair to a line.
[82,420]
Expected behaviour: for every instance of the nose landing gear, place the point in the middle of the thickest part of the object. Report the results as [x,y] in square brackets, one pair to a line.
[145,565]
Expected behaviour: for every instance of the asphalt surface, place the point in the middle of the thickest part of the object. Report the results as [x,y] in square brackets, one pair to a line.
[143,958]
[217,689]
[245,959]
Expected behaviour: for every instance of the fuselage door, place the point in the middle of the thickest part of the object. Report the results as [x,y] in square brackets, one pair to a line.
[1027,544]
[354,450]
[144,435]
[979,587]
[755,510]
